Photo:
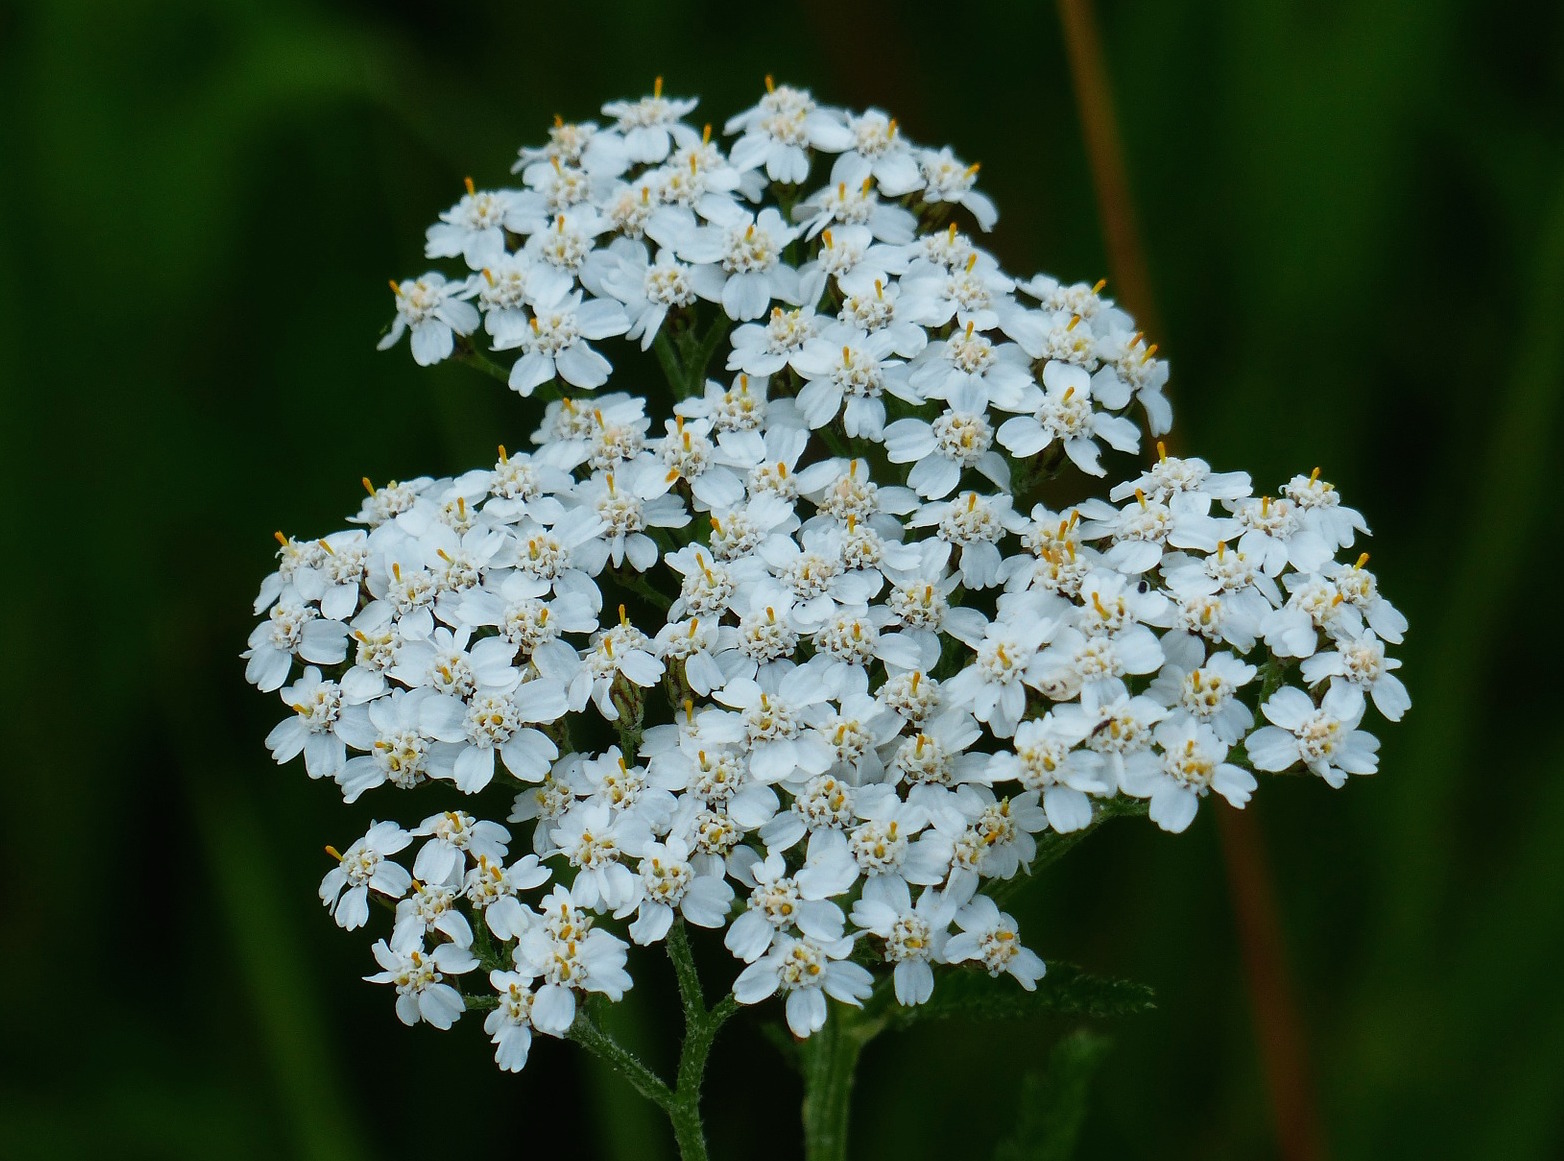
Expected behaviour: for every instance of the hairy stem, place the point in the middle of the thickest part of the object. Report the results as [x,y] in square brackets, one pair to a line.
[619,1058]
[700,1031]
[478,361]
[830,1059]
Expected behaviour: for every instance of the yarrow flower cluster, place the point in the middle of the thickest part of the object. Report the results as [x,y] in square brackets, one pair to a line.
[809,661]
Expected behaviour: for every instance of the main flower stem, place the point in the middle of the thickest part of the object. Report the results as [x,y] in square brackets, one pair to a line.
[830,1059]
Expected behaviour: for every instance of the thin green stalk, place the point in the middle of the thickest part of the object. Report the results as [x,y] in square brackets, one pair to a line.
[700,1031]
[830,1059]
[696,370]
[619,1058]
[673,370]
[478,361]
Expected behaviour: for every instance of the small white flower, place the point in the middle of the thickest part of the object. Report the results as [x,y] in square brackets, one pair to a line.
[555,343]
[947,180]
[669,883]
[365,867]
[453,837]
[1193,764]
[1048,758]
[510,1024]
[808,971]
[1361,661]
[473,229]
[651,126]
[914,936]
[781,129]
[567,956]
[1063,411]
[419,977]
[1325,739]
[434,311]
[740,264]
[989,937]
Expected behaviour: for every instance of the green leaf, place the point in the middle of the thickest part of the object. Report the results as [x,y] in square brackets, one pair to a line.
[1053,1103]
[1066,989]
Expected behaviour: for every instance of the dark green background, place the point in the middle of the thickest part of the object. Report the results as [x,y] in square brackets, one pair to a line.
[1354,219]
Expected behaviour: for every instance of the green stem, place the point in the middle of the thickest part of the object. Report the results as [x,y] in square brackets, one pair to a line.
[478,361]
[673,370]
[642,587]
[619,1058]
[700,1031]
[695,381]
[830,1058]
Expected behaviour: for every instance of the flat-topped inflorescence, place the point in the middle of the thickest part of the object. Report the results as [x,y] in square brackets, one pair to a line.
[809,659]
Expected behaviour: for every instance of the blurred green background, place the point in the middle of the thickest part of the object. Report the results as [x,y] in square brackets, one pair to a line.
[1354,219]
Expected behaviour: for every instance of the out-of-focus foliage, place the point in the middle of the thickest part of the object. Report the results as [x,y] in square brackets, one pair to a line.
[1354,215]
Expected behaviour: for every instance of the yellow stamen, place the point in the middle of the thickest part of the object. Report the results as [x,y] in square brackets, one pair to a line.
[504,459]
[657,87]
[1101,282]
[467,181]
[1162,451]
[334,853]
